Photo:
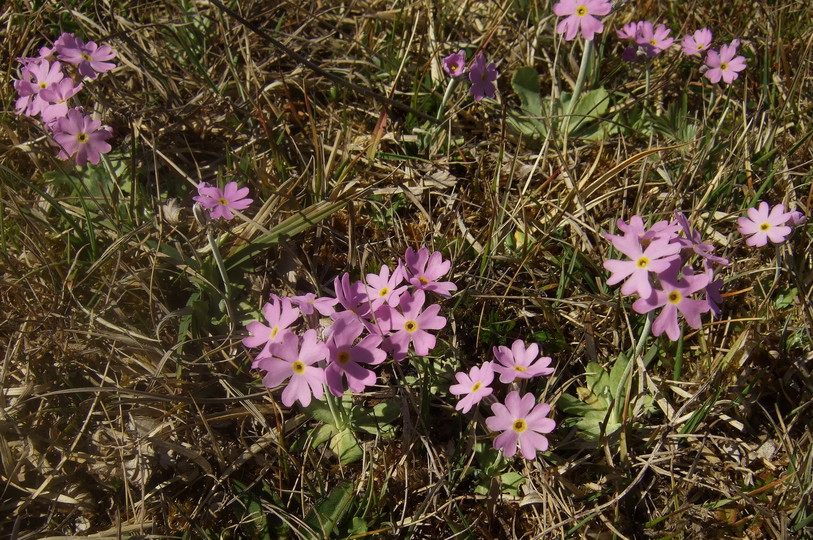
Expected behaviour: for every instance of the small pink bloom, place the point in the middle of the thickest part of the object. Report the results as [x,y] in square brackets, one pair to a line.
[308,302]
[280,315]
[424,270]
[81,136]
[520,362]
[290,361]
[522,422]
[765,223]
[89,58]
[345,357]
[383,288]
[57,96]
[694,44]
[629,30]
[482,77]
[654,39]
[694,241]
[724,65]
[579,15]
[656,258]
[219,202]
[36,77]
[475,386]
[674,298]
[455,63]
[411,323]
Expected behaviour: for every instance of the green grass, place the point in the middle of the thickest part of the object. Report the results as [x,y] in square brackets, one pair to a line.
[128,405]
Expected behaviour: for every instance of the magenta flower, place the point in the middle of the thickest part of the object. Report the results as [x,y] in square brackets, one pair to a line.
[36,77]
[57,96]
[656,258]
[352,296]
[694,44]
[410,325]
[280,315]
[520,362]
[765,223]
[290,361]
[455,63]
[724,65]
[797,218]
[81,136]
[694,241]
[89,58]
[384,289]
[474,384]
[345,358]
[629,30]
[522,421]
[580,16]
[423,271]
[654,39]
[674,298]
[219,202]
[482,77]
[308,302]
[659,231]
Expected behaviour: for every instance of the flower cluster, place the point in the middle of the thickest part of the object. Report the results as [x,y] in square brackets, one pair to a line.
[387,314]
[220,202]
[521,420]
[765,223]
[660,271]
[649,40]
[46,85]
[482,74]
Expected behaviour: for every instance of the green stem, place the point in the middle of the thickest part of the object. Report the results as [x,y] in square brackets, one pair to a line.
[639,347]
[221,267]
[577,90]
[679,357]
[449,89]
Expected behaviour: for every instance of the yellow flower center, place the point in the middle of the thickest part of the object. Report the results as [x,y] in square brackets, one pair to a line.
[298,367]
[422,279]
[653,42]
[764,227]
[383,292]
[86,57]
[343,357]
[643,262]
[699,46]
[82,137]
[520,369]
[410,326]
[274,332]
[223,201]
[519,425]
[674,297]
[453,67]
[476,386]
[43,85]
[581,11]
[724,66]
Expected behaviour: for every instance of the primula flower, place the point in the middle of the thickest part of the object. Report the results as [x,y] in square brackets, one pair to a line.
[694,44]
[694,241]
[474,384]
[81,136]
[580,16]
[520,362]
[344,358]
[724,65]
[765,223]
[290,361]
[674,298]
[797,218]
[629,30]
[411,323]
[654,39]
[280,315]
[482,77]
[89,58]
[383,288]
[36,77]
[352,296]
[522,421]
[661,230]
[308,302]
[219,202]
[455,63]
[425,269]
[656,258]
[57,96]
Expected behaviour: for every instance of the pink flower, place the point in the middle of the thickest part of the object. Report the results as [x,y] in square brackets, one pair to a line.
[694,241]
[82,136]
[455,63]
[797,218]
[724,65]
[629,30]
[580,16]
[482,77]
[522,422]
[36,77]
[674,298]
[423,271]
[654,39]
[475,386]
[344,358]
[520,362]
[352,296]
[219,202]
[383,288]
[57,96]
[660,230]
[89,58]
[280,315]
[308,302]
[410,325]
[765,223]
[656,258]
[694,44]
[290,361]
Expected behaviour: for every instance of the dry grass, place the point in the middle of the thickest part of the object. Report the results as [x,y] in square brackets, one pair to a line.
[127,406]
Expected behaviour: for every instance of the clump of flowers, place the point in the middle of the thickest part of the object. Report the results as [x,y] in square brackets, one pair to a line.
[650,40]
[388,316]
[220,202]
[482,74]
[47,85]
[669,267]
[580,15]
[765,223]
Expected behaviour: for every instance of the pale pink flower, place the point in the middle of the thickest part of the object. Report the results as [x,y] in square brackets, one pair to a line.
[455,63]
[36,77]
[474,384]
[411,323]
[724,65]
[81,136]
[290,361]
[309,301]
[694,44]
[520,362]
[89,58]
[656,258]
[219,202]
[765,223]
[654,39]
[674,298]
[57,96]
[280,314]
[424,270]
[580,15]
[345,357]
[383,288]
[522,422]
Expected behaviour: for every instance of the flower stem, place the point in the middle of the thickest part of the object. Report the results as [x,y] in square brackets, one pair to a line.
[577,90]
[221,267]
[679,357]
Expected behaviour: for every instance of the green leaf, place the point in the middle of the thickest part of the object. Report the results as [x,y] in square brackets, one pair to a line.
[525,83]
[511,481]
[345,446]
[325,515]
[322,434]
[378,420]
